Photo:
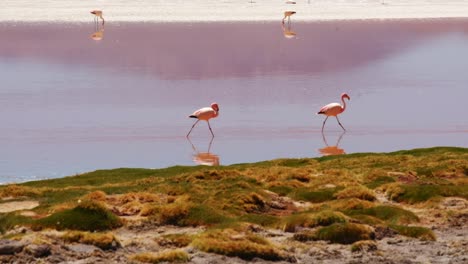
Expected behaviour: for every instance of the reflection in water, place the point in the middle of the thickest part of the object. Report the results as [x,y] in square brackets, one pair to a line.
[98,35]
[332,150]
[287,32]
[205,158]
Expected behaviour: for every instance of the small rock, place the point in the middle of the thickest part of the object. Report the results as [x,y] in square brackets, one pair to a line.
[38,251]
[10,247]
[382,232]
[394,241]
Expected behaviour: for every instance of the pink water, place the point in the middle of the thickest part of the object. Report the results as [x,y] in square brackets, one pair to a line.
[70,104]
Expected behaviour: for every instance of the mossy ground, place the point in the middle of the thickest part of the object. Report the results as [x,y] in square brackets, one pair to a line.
[338,195]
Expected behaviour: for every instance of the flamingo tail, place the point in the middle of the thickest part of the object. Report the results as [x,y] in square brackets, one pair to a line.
[193,116]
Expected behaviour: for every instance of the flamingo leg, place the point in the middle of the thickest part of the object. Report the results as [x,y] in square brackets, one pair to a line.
[340,123]
[210,127]
[324,123]
[192,127]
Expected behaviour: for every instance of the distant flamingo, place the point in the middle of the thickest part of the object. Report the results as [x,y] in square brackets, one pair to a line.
[334,109]
[205,113]
[288,14]
[98,14]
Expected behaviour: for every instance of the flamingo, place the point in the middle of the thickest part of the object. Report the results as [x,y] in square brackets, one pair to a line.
[98,14]
[334,109]
[288,14]
[205,113]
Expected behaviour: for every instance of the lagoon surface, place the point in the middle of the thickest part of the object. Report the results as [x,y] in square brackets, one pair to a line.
[70,104]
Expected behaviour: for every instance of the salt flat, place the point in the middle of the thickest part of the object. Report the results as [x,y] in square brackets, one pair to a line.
[227,10]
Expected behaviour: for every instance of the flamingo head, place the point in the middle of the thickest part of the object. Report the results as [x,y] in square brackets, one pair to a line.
[215,107]
[344,95]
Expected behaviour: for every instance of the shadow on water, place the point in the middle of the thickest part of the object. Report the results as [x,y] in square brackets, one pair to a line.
[204,158]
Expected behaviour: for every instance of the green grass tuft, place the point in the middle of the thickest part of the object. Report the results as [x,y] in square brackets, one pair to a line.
[10,220]
[415,231]
[87,216]
[390,214]
[420,193]
[310,220]
[344,233]
[168,256]
[233,244]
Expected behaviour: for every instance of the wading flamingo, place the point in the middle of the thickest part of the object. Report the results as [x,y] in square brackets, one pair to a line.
[205,113]
[334,109]
[98,14]
[288,14]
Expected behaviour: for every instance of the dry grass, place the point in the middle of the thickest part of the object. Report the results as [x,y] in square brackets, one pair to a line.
[359,192]
[170,256]
[102,240]
[310,220]
[174,240]
[96,196]
[239,244]
[19,191]
[344,233]
[364,246]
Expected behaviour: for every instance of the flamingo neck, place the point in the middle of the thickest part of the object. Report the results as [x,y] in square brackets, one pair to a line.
[344,104]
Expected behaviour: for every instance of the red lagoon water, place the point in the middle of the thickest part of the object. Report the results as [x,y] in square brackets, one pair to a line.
[71,104]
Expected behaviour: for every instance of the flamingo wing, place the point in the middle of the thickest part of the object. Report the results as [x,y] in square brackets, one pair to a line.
[330,109]
[204,113]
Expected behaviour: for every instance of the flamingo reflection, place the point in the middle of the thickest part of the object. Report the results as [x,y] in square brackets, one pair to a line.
[204,158]
[287,32]
[332,150]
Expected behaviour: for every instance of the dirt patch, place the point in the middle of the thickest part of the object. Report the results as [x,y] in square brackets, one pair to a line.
[18,205]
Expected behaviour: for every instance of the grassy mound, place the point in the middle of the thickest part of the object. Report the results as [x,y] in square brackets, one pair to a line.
[101,240]
[344,233]
[415,231]
[323,218]
[169,256]
[235,244]
[87,216]
[390,214]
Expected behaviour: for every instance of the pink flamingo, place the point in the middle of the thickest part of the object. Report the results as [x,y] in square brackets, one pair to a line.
[334,109]
[205,113]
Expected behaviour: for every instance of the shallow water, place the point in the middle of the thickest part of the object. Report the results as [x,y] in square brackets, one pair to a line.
[70,104]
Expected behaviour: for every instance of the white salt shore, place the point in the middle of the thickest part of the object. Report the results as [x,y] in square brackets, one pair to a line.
[226,10]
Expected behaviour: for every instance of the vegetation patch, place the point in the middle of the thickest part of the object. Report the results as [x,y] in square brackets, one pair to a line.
[390,214]
[415,231]
[344,233]
[417,193]
[87,216]
[379,181]
[364,246]
[174,240]
[359,192]
[102,240]
[170,256]
[310,220]
[239,244]
[317,196]
[10,220]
